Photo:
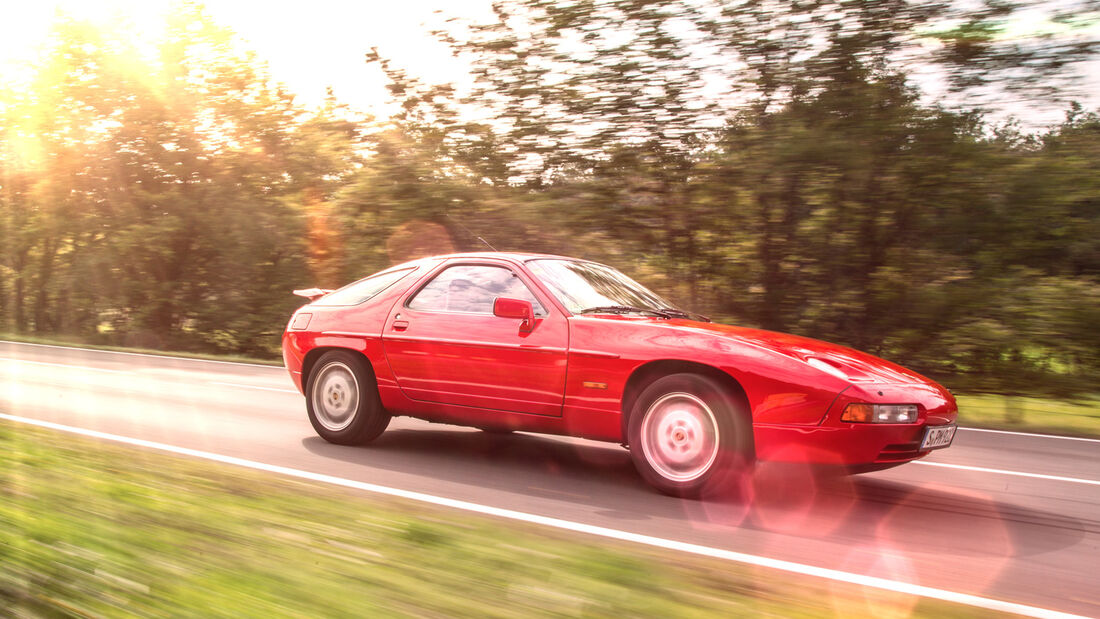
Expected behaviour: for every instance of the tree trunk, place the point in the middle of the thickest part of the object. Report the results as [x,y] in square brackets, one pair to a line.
[20,266]
[777,242]
[769,315]
[42,295]
[3,303]
[20,293]
[875,252]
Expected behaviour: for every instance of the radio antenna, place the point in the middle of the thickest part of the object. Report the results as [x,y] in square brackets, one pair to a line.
[469,231]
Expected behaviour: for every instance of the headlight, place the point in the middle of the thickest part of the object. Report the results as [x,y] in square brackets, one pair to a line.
[880,413]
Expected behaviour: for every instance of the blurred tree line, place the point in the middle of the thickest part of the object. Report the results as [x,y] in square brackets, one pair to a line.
[770,164]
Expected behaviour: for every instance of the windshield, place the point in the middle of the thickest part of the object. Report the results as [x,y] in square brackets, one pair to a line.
[586,285]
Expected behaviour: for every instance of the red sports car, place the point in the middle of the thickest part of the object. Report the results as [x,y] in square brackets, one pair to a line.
[510,341]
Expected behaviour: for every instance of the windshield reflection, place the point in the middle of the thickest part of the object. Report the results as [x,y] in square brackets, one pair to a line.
[584,285]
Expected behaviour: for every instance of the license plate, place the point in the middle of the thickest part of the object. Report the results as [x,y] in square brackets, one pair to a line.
[936,437]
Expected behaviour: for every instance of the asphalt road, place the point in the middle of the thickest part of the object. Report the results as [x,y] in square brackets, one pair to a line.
[1018,538]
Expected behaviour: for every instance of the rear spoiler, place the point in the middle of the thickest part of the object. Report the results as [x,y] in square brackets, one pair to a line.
[312,293]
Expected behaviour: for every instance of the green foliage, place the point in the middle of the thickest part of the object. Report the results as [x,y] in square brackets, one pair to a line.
[159,201]
[767,163]
[831,202]
[1079,417]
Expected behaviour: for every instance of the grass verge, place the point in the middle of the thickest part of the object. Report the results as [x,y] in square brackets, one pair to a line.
[1028,414]
[90,529]
[80,343]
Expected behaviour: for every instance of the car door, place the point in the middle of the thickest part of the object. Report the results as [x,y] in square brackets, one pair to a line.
[444,344]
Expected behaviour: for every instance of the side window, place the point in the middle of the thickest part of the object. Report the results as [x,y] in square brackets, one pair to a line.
[472,289]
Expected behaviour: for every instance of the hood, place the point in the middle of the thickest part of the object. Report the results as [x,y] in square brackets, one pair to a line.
[840,361]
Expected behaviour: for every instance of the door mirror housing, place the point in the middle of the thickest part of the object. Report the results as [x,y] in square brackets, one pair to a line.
[503,307]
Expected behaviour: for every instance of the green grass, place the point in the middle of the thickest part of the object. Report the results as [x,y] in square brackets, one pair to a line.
[91,529]
[1075,417]
[83,343]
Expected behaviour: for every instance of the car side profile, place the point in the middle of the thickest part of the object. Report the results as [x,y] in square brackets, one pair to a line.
[549,344]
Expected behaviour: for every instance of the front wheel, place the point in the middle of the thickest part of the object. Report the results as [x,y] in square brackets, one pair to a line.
[342,399]
[688,438]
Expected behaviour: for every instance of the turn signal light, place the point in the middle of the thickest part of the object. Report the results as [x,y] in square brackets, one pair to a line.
[880,413]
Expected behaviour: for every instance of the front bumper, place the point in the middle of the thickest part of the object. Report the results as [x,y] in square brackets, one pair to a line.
[853,444]
[866,445]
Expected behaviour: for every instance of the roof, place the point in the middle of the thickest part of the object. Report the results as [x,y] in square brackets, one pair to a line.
[476,255]
[508,255]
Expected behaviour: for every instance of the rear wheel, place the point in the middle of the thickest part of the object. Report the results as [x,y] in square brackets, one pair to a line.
[342,399]
[687,437]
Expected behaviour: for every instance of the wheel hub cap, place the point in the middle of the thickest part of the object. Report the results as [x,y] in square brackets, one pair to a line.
[680,437]
[335,396]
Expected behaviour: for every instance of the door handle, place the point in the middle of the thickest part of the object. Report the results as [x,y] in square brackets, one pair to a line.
[400,325]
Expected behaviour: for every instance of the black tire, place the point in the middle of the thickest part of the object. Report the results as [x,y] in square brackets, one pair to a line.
[342,399]
[689,438]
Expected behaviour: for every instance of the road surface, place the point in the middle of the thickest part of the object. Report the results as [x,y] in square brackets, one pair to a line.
[1006,516]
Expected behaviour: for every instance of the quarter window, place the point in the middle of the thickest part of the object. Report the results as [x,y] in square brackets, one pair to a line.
[472,289]
[362,290]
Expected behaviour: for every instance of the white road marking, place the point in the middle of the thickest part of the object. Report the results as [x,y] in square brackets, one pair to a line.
[139,354]
[657,542]
[294,391]
[982,469]
[64,365]
[1065,438]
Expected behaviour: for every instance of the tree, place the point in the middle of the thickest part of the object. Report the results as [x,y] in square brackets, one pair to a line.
[161,199]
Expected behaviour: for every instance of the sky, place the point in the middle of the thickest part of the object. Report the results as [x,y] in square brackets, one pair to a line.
[311,45]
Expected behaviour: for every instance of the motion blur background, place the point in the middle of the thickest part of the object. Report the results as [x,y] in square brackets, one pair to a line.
[920,180]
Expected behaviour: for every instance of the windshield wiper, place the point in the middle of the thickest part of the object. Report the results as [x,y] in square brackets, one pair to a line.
[625,309]
[679,313]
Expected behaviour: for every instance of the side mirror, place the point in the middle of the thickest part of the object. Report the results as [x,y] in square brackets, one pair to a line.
[503,307]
